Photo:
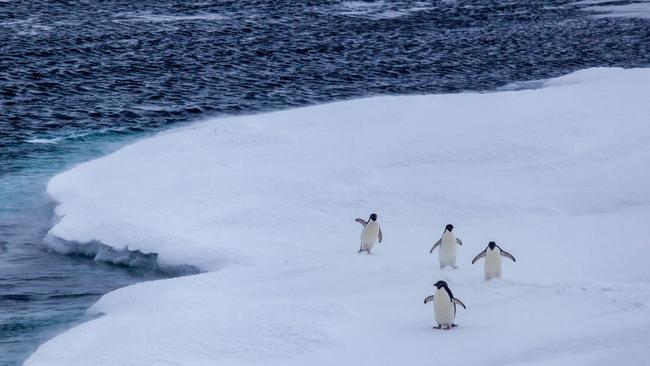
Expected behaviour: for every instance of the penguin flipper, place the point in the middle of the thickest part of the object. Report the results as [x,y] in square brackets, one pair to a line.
[380,236]
[435,245]
[507,255]
[456,301]
[429,298]
[478,256]
[460,242]
[361,221]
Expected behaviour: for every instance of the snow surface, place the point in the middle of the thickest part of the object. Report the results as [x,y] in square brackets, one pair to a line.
[557,176]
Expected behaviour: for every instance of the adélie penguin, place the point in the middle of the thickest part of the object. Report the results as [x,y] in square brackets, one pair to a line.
[447,244]
[493,254]
[370,234]
[444,305]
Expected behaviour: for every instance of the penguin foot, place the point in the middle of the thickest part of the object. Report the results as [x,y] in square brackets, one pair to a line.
[360,250]
[454,325]
[454,267]
[438,327]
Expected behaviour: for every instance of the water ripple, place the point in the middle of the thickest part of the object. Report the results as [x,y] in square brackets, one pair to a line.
[80,67]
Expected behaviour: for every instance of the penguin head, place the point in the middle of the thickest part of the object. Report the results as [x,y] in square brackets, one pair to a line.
[440,284]
[373,217]
[449,227]
[492,245]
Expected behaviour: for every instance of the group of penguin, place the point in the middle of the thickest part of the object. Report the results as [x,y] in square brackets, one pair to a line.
[444,302]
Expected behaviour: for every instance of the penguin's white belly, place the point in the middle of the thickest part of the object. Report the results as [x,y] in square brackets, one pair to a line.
[443,309]
[493,264]
[447,254]
[369,235]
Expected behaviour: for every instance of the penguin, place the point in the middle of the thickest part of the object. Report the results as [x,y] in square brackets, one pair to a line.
[492,256]
[370,234]
[447,243]
[444,305]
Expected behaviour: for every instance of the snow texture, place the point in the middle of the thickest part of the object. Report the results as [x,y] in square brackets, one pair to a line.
[266,205]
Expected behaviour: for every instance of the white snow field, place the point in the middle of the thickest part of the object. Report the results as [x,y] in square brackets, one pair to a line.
[265,204]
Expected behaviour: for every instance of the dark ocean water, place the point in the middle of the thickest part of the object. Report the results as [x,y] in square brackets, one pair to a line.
[78,79]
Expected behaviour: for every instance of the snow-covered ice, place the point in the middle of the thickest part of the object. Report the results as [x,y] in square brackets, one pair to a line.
[265,204]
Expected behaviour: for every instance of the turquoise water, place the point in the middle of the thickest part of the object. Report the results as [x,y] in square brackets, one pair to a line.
[43,293]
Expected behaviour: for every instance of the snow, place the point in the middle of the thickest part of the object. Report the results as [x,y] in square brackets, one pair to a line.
[265,205]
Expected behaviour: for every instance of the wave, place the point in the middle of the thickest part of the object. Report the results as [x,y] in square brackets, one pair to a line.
[378,10]
[156,18]
[45,141]
[75,136]
[605,9]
